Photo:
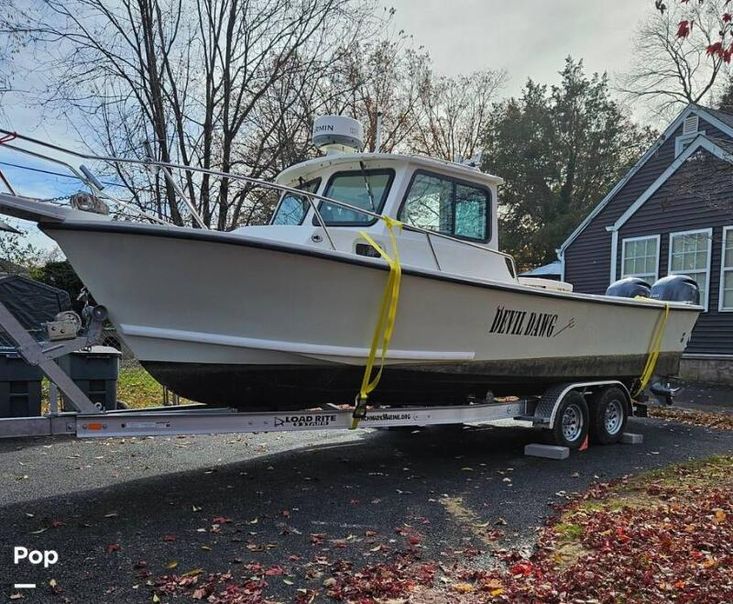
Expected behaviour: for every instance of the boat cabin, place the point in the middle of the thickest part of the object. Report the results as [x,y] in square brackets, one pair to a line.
[454,202]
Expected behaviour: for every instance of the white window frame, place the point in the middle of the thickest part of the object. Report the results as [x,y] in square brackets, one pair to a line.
[709,233]
[626,240]
[727,232]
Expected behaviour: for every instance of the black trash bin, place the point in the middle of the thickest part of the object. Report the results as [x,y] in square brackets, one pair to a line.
[20,386]
[95,371]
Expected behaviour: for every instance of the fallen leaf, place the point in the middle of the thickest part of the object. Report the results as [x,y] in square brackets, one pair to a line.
[194,572]
[462,588]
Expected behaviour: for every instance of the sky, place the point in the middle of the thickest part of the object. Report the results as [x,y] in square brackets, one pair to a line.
[527,38]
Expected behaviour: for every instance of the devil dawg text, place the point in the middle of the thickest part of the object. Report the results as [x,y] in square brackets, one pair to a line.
[523,323]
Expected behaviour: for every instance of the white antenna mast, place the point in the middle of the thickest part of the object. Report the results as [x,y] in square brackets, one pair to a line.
[378,136]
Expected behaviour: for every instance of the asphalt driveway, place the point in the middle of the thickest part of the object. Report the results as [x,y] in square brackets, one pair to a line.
[121,512]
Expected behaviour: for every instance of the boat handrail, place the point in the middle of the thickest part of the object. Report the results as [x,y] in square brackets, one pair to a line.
[166,166]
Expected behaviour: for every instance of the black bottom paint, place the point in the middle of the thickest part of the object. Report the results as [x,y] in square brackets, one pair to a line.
[291,387]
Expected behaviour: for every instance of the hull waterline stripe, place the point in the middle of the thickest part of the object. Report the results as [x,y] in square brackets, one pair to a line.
[199,337]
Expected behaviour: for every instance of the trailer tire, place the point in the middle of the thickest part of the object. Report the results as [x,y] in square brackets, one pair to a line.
[608,415]
[571,421]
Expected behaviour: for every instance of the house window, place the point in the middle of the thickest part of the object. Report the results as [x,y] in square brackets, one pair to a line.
[640,258]
[726,270]
[689,254]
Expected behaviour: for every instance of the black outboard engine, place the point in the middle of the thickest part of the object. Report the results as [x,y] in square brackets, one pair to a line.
[630,287]
[676,288]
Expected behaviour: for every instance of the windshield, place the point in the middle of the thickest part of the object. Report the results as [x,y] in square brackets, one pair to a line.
[357,188]
[293,208]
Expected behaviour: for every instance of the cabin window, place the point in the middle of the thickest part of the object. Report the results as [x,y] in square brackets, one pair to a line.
[441,204]
[640,258]
[726,270]
[689,254]
[292,208]
[367,189]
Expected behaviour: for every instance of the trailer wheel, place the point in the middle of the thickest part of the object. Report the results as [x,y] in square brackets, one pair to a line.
[571,421]
[608,415]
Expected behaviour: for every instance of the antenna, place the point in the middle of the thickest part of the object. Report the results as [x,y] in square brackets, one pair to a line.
[378,137]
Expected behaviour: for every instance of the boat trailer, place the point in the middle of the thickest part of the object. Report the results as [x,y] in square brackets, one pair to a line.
[561,409]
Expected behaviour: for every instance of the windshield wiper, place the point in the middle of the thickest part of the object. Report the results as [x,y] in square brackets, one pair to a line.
[367,186]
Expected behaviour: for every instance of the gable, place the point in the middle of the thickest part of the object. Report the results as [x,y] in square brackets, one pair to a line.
[649,167]
[701,144]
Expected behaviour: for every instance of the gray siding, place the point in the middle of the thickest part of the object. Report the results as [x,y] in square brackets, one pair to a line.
[673,209]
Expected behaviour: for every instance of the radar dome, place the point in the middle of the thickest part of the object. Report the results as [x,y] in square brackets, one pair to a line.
[338,134]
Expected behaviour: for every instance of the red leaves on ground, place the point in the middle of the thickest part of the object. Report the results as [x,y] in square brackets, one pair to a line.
[169,538]
[217,588]
[719,421]
[221,520]
[377,582]
[521,569]
[113,547]
[275,571]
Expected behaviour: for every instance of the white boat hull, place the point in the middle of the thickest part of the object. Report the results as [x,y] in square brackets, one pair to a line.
[234,320]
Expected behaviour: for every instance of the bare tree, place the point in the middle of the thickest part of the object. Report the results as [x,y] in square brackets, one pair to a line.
[455,113]
[192,79]
[672,62]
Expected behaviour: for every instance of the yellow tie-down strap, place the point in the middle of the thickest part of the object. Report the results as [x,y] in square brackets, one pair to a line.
[655,347]
[385,322]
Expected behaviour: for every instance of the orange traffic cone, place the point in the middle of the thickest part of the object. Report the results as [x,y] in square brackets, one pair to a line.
[584,446]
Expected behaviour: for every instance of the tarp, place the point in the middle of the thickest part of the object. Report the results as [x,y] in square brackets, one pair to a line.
[32,303]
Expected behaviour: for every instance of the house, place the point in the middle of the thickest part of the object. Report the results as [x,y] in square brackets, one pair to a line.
[671,213]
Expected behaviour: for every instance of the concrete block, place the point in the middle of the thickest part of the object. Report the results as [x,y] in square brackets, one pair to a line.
[629,438]
[546,451]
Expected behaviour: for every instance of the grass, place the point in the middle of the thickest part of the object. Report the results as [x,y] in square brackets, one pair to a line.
[137,388]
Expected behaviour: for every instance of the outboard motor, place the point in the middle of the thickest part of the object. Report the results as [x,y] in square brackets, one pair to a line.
[676,288]
[630,287]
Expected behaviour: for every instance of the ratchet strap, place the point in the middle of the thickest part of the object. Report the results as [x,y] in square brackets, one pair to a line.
[385,322]
[655,347]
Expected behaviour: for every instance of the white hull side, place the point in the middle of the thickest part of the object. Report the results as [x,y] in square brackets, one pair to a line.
[232,301]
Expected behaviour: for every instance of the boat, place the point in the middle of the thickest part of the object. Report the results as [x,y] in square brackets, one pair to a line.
[283,316]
